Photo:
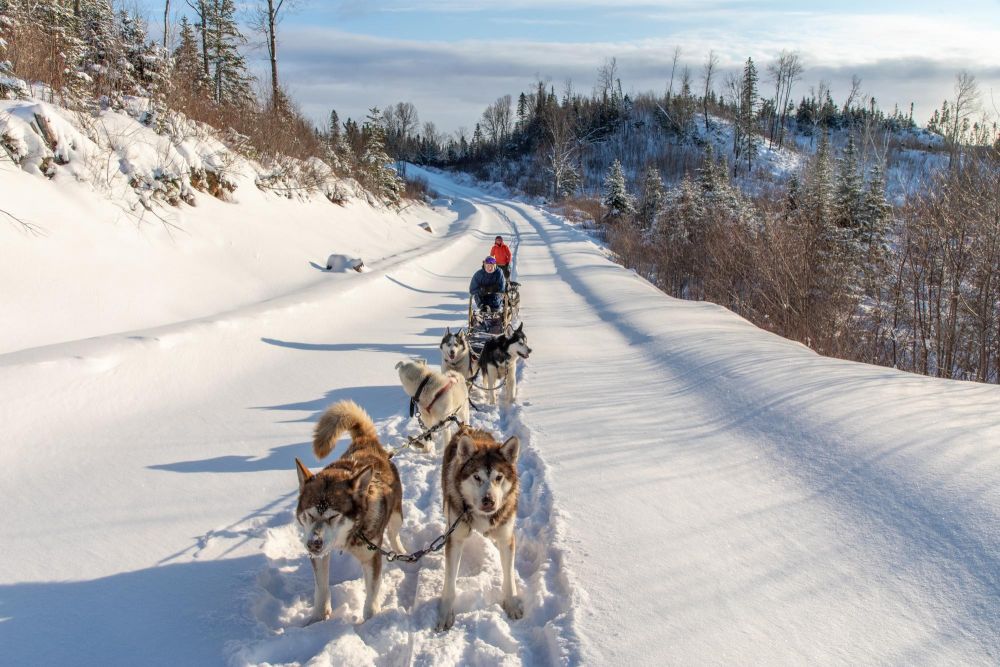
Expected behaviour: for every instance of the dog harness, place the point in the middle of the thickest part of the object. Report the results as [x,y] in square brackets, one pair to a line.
[441,391]
[415,399]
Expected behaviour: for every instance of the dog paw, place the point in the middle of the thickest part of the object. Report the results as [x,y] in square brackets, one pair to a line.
[370,610]
[446,619]
[319,616]
[514,608]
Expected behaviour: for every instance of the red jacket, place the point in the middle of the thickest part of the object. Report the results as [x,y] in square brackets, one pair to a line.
[501,253]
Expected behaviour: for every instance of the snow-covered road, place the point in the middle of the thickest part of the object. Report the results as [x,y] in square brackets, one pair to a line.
[695,490]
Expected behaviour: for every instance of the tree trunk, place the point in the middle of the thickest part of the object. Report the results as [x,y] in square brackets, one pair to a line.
[272,45]
[204,36]
[166,22]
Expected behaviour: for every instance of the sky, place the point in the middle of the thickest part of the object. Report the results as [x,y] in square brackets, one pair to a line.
[452,58]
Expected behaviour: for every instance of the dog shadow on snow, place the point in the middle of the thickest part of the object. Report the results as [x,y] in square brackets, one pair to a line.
[381,402]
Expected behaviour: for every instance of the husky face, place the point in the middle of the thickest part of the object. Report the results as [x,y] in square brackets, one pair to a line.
[518,343]
[487,476]
[454,346]
[328,509]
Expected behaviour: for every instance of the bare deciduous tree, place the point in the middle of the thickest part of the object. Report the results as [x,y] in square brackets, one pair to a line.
[965,104]
[673,70]
[498,120]
[707,72]
[785,71]
[265,18]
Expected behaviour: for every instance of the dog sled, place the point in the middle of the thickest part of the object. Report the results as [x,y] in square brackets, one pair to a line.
[486,323]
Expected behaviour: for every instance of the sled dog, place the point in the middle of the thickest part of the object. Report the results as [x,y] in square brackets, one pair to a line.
[479,477]
[498,361]
[357,494]
[438,395]
[514,297]
[456,355]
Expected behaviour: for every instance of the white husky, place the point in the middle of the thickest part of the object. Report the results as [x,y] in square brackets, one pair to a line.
[438,395]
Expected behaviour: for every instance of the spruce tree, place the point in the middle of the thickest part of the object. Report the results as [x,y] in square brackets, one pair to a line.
[849,195]
[653,197]
[379,178]
[145,61]
[748,113]
[230,80]
[616,197]
[187,74]
[338,152]
[9,19]
[876,216]
[709,177]
[102,60]
[818,191]
[333,132]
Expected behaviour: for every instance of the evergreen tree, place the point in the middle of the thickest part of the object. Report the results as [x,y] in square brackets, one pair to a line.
[9,19]
[616,197]
[102,60]
[875,218]
[187,74]
[338,153]
[145,62]
[378,177]
[793,195]
[334,134]
[653,197]
[685,214]
[849,195]
[709,177]
[230,80]
[818,193]
[522,111]
[748,113]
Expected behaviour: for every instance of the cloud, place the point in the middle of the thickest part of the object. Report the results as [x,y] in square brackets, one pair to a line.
[452,82]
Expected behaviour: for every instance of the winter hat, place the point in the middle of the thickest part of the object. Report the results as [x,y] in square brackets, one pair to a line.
[489,260]
[498,238]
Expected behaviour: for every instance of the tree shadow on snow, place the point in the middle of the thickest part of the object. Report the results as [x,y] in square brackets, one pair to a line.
[402,350]
[456,295]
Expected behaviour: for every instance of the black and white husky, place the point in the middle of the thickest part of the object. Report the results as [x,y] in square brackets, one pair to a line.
[498,362]
[456,355]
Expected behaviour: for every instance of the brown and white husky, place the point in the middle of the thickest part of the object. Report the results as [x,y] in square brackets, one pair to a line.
[479,479]
[357,494]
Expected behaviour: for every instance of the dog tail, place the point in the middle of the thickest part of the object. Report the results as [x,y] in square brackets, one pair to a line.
[339,418]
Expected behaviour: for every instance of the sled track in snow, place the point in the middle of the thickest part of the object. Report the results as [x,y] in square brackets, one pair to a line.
[403,632]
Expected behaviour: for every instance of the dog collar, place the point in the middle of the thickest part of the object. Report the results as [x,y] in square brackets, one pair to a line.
[416,397]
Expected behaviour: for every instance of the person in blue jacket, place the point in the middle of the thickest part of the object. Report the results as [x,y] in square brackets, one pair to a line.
[488,285]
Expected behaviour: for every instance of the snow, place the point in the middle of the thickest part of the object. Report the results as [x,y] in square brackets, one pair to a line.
[694,490]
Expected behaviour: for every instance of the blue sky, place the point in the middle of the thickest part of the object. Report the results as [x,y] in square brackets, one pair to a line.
[453,57]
